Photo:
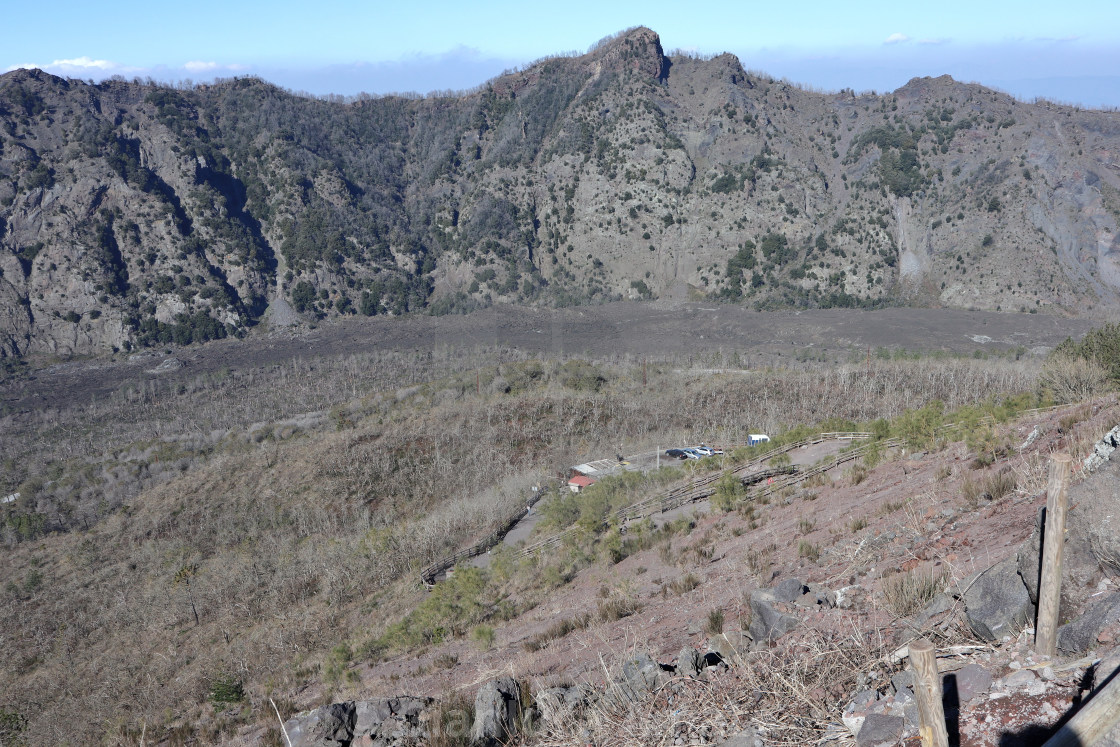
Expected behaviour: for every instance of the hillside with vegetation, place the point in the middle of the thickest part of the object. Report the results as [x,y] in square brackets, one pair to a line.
[193,548]
[135,214]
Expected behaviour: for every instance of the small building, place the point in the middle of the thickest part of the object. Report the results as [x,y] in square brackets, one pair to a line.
[579,482]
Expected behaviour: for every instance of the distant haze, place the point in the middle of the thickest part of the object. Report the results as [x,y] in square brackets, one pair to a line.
[1068,52]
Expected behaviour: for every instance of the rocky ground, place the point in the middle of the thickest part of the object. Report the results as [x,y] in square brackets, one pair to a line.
[802,602]
[758,339]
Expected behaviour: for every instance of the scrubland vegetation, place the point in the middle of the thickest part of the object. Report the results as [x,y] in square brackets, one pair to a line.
[187,550]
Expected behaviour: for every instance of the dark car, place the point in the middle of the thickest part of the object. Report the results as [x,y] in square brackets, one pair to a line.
[678,453]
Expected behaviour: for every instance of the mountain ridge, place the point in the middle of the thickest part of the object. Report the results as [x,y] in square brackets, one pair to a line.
[135,214]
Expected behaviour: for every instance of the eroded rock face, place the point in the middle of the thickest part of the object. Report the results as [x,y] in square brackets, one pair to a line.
[116,195]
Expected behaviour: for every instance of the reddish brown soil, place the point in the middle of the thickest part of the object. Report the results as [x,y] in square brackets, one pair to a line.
[916,517]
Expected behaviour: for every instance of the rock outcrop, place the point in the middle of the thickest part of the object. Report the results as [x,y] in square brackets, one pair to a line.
[996,601]
[135,214]
[384,722]
[497,708]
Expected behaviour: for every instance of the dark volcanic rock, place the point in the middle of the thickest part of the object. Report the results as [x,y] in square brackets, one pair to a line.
[496,708]
[1080,635]
[996,601]
[329,726]
[879,730]
[768,622]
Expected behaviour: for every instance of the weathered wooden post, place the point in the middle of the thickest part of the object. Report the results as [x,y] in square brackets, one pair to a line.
[1050,587]
[927,688]
[1095,719]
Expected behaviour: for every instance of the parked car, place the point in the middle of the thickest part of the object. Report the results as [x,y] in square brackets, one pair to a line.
[692,454]
[677,453]
[707,450]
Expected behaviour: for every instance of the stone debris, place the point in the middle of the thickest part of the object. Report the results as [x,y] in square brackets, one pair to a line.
[745,738]
[1102,451]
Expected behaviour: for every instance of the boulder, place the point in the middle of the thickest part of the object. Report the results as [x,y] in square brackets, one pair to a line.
[640,675]
[1080,635]
[768,622]
[851,597]
[496,709]
[789,590]
[1092,541]
[903,680]
[816,599]
[558,705]
[328,726]
[996,601]
[389,721]
[856,711]
[880,730]
[1105,669]
[972,681]
[935,612]
[1102,452]
[690,662]
[731,645]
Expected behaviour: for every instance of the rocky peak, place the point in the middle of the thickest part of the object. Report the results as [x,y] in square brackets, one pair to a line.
[638,49]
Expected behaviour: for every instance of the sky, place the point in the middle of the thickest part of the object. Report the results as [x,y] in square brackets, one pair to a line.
[1065,51]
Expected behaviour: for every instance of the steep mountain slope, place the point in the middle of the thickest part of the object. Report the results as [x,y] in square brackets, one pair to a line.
[132,214]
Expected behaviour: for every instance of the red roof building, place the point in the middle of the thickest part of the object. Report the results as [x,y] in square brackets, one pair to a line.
[579,482]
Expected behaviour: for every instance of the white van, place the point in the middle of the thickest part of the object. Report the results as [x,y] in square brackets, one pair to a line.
[755,439]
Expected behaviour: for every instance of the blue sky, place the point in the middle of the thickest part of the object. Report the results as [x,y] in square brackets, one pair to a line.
[1067,51]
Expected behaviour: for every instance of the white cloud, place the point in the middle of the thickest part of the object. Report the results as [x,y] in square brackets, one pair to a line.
[896,38]
[196,66]
[77,65]
[84,63]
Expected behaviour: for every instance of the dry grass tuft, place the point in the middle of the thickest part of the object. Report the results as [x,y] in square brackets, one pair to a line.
[618,608]
[714,624]
[910,592]
[682,585]
[857,474]
[808,550]
[557,630]
[1000,484]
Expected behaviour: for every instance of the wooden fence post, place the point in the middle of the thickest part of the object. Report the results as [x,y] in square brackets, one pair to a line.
[927,688]
[1050,587]
[1095,719]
